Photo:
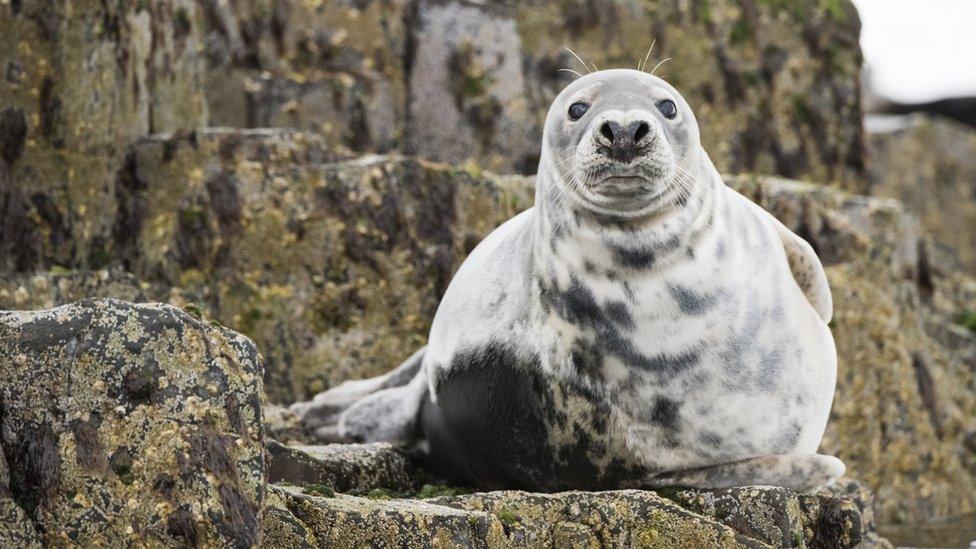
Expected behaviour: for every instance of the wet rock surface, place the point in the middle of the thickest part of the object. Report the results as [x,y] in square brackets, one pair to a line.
[129,424]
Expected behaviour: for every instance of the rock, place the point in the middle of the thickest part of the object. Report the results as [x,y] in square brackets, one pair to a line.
[362,250]
[80,81]
[347,521]
[282,424]
[304,513]
[16,528]
[456,81]
[132,424]
[329,66]
[282,529]
[846,490]
[47,290]
[627,518]
[468,94]
[929,166]
[772,515]
[343,468]
[503,519]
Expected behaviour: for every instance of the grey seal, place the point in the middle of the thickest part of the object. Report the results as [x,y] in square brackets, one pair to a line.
[641,325]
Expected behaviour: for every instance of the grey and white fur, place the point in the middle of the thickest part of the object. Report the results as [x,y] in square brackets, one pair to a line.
[642,325]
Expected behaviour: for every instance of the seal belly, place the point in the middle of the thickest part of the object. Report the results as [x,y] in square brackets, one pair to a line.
[499,422]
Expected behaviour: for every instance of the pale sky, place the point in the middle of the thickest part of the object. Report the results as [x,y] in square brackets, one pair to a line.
[919,50]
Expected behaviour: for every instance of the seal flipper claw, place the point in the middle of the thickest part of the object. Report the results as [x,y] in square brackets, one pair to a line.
[323,415]
[802,473]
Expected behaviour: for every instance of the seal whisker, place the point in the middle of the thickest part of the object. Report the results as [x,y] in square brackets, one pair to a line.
[563,191]
[578,58]
[563,161]
[643,66]
[683,183]
[687,179]
[663,61]
[570,70]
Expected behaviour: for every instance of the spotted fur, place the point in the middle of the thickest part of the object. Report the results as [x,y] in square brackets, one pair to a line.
[641,325]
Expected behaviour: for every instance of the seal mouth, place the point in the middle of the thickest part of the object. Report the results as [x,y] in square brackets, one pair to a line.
[628,191]
[622,186]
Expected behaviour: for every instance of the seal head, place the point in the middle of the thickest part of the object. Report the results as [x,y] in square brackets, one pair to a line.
[617,140]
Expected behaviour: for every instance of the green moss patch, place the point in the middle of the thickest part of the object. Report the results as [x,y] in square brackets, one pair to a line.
[967,319]
[323,490]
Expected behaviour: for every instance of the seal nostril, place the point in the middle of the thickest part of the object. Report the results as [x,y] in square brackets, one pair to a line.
[642,130]
[607,131]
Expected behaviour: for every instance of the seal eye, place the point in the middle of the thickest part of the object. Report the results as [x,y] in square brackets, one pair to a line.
[577,110]
[667,108]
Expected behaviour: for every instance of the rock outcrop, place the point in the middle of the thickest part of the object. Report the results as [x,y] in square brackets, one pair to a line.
[128,425]
[774,85]
[133,424]
[335,270]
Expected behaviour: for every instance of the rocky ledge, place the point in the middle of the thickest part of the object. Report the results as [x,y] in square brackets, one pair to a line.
[389,502]
[128,424]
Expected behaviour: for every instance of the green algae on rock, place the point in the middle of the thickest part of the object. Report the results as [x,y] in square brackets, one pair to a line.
[132,424]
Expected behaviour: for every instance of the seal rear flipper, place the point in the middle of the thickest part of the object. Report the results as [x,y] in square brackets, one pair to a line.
[322,414]
[795,472]
[389,415]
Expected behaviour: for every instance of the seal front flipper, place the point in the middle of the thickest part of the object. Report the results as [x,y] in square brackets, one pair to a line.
[796,472]
[807,269]
[358,410]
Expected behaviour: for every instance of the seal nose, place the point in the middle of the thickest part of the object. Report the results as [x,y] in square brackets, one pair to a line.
[623,140]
